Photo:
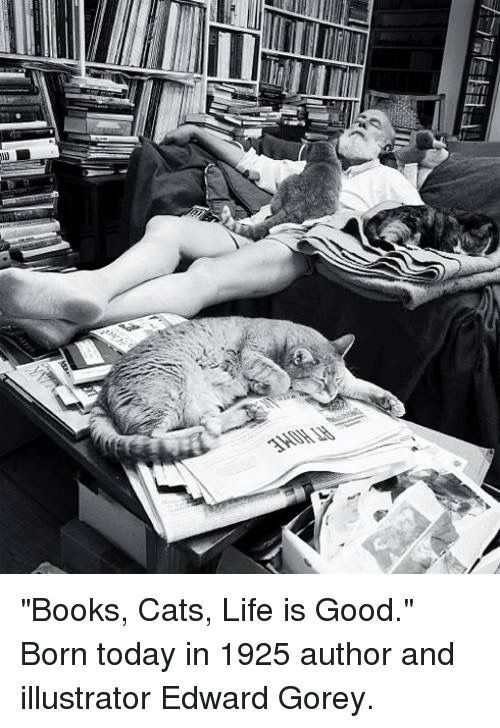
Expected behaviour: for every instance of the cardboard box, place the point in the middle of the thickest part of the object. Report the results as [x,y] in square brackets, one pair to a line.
[110,519]
[298,557]
[85,551]
[234,561]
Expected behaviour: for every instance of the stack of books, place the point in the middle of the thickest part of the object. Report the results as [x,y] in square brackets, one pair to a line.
[235,113]
[97,125]
[29,229]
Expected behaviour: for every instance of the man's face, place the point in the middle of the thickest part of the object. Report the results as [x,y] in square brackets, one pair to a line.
[367,137]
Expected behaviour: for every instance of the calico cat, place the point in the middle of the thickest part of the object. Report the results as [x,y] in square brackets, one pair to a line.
[450,231]
[309,195]
[174,394]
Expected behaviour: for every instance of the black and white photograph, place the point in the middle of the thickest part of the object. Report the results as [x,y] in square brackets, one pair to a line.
[250,287]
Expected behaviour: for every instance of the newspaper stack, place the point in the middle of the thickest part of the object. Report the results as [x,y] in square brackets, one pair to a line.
[430,519]
[269,465]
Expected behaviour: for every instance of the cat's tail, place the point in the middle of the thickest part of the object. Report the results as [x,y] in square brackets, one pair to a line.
[173,445]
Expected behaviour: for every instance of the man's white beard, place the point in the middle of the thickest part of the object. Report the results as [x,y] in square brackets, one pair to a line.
[355,147]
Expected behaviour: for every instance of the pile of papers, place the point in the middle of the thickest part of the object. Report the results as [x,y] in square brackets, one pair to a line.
[49,381]
[429,519]
[271,464]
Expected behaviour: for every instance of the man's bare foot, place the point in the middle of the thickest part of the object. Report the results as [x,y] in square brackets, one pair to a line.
[26,294]
[49,334]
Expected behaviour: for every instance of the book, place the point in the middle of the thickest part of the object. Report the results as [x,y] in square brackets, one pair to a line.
[19,112]
[93,123]
[18,184]
[23,126]
[34,199]
[28,213]
[88,360]
[54,262]
[28,254]
[33,242]
[36,382]
[36,151]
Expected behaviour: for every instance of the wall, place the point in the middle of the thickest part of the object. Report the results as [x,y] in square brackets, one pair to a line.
[457,39]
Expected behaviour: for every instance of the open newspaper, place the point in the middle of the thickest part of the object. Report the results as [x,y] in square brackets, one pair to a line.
[429,519]
[269,465]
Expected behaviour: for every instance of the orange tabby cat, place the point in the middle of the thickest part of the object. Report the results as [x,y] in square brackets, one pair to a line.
[175,393]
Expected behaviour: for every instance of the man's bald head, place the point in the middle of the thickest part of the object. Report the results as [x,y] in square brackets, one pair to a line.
[371,134]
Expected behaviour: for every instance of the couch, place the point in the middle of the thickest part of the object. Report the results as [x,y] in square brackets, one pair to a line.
[442,359]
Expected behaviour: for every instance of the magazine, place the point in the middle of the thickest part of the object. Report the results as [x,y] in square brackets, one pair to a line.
[123,336]
[37,383]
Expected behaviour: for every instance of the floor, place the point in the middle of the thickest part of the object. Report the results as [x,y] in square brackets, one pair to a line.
[37,496]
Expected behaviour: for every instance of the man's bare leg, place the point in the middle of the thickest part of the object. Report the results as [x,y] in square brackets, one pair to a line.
[257,270]
[82,297]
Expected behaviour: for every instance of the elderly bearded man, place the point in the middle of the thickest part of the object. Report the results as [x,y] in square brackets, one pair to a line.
[52,307]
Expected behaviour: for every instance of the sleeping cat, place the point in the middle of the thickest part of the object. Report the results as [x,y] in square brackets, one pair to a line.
[451,231]
[175,393]
[306,196]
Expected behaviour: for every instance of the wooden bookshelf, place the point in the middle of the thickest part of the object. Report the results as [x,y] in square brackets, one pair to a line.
[135,48]
[480,71]
[407,41]
[320,56]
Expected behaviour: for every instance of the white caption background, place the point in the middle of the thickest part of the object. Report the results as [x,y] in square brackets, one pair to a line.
[444,610]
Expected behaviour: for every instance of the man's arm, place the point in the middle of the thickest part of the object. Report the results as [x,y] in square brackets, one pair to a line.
[225,151]
[267,173]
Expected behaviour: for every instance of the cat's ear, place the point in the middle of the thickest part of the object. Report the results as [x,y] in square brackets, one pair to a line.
[302,356]
[343,344]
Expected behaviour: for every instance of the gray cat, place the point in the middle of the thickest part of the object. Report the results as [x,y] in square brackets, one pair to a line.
[313,193]
[174,394]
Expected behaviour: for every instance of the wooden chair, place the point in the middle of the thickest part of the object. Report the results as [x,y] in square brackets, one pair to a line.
[408,112]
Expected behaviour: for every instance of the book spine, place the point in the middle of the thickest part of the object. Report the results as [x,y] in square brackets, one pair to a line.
[24,191]
[40,252]
[37,243]
[16,185]
[35,152]
[36,199]
[57,261]
[22,143]
[23,236]
[28,214]
[12,115]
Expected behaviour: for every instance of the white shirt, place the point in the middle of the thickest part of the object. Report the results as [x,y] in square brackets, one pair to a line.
[363,185]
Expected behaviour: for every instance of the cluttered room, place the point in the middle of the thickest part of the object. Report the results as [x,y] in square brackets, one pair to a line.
[250,286]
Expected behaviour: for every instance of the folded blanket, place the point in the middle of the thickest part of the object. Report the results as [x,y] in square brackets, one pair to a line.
[411,275]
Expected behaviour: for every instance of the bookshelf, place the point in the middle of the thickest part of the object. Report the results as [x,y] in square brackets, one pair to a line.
[480,71]
[317,50]
[303,46]
[407,42]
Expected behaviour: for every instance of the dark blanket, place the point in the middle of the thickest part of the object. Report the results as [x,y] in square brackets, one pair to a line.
[170,179]
[442,359]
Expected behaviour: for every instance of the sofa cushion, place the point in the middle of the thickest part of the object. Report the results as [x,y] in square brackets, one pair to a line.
[465,183]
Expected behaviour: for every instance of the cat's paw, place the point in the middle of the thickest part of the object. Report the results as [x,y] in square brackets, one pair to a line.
[226,216]
[275,383]
[212,425]
[256,411]
[389,403]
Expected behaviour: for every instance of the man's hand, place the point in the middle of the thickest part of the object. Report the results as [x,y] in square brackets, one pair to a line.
[182,135]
